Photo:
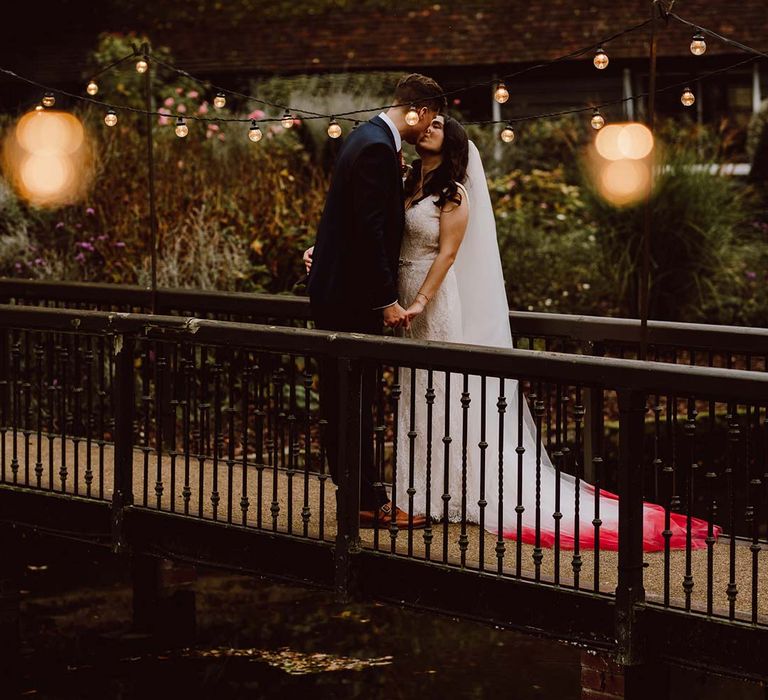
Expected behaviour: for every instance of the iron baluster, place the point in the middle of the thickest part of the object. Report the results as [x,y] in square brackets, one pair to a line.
[277,409]
[734,435]
[557,458]
[519,507]
[176,373]
[232,361]
[102,394]
[88,357]
[379,437]
[430,399]
[446,462]
[539,412]
[578,460]
[690,432]
[203,428]
[322,425]
[51,354]
[291,433]
[306,512]
[16,396]
[146,399]
[465,402]
[216,370]
[395,397]
[160,365]
[244,407]
[77,426]
[412,435]
[501,407]
[63,357]
[482,446]
[188,369]
[259,415]
[27,386]
[39,357]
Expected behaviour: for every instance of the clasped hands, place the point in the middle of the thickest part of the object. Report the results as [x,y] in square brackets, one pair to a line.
[395,316]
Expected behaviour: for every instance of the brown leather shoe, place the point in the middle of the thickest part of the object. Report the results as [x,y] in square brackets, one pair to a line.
[385,517]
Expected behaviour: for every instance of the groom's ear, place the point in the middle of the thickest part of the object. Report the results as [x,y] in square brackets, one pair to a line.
[423,113]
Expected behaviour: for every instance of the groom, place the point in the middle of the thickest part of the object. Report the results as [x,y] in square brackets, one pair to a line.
[353,266]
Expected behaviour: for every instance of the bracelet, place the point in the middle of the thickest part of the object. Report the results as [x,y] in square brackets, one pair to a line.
[421,294]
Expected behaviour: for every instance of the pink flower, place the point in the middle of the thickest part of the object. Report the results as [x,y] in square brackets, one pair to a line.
[181,109]
[213,127]
[80,257]
[297,122]
[256,114]
[193,94]
[163,121]
[208,134]
[119,244]
[456,101]
[168,102]
[179,91]
[90,211]
[221,137]
[60,225]
[203,108]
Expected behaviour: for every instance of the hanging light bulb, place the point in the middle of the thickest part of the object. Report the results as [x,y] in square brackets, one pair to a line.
[141,65]
[412,116]
[111,117]
[600,60]
[687,98]
[334,129]
[598,121]
[507,134]
[220,100]
[92,88]
[39,108]
[181,127]
[698,44]
[48,100]
[501,95]
[254,133]
[287,120]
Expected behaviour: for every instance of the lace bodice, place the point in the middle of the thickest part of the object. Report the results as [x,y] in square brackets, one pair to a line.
[422,231]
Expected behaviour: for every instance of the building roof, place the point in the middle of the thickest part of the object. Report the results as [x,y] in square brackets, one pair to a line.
[453,33]
[409,35]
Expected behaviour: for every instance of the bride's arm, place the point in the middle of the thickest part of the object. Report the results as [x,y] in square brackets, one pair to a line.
[453,224]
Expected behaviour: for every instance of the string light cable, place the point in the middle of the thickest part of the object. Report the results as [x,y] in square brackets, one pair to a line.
[719,37]
[289,113]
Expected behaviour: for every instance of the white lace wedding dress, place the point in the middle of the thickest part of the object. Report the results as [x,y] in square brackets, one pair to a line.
[471,307]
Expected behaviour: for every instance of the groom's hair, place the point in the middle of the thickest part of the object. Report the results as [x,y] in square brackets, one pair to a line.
[420,91]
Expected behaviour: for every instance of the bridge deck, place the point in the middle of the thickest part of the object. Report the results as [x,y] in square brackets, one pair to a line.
[276,485]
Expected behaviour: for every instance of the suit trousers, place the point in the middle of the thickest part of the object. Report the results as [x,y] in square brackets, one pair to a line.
[336,318]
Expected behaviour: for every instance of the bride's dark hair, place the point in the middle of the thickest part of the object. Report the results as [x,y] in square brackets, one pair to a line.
[443,179]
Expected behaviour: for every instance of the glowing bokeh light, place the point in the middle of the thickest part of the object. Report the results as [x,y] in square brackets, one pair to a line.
[49,132]
[46,173]
[607,142]
[48,159]
[625,181]
[635,141]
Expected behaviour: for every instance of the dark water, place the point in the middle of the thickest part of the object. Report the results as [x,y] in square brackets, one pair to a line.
[253,636]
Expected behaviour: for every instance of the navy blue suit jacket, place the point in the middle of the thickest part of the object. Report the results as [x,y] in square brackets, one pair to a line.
[355,260]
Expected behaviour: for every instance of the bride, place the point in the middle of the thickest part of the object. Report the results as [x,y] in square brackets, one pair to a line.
[450,274]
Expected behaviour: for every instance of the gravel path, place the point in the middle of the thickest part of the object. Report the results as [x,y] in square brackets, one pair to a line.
[284,496]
